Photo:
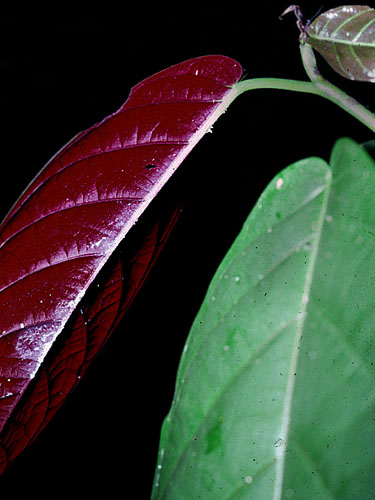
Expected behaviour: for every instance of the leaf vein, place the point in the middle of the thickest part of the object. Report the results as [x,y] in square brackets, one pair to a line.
[65,209]
[224,389]
[76,257]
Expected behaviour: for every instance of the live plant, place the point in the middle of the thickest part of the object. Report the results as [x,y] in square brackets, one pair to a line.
[275,392]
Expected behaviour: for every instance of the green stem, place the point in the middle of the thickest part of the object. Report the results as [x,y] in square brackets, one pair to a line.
[318,86]
[333,93]
[276,83]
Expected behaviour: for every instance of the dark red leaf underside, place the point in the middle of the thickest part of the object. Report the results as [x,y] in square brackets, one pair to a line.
[85,334]
[67,224]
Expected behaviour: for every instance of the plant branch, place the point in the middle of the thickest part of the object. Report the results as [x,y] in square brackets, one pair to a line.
[333,93]
[318,86]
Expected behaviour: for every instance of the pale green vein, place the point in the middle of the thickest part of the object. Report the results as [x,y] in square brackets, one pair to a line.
[338,41]
[348,346]
[245,486]
[313,195]
[241,297]
[363,29]
[310,465]
[338,59]
[358,60]
[284,431]
[350,19]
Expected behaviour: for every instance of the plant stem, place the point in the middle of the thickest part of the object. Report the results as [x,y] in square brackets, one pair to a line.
[276,83]
[333,93]
[318,86]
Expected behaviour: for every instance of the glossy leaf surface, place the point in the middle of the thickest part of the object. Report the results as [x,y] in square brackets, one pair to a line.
[275,394]
[345,37]
[87,331]
[67,224]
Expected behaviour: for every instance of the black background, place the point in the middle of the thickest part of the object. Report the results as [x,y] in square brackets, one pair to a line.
[64,70]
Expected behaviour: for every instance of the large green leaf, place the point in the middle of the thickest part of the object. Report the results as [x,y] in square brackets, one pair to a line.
[275,395]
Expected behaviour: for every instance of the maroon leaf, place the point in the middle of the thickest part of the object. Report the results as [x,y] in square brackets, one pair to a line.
[89,328]
[68,223]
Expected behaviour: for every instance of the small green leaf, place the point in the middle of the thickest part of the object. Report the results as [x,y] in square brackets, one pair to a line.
[345,37]
[275,394]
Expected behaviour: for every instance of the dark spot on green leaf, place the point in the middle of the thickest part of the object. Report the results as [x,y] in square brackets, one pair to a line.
[214,436]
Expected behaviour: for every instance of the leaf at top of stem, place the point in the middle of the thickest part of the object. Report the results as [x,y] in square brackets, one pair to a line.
[345,38]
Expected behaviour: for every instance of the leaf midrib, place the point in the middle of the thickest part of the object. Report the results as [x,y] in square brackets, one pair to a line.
[280,452]
[338,41]
[269,340]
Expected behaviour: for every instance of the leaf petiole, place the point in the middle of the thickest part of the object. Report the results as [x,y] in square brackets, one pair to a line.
[276,83]
[318,86]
